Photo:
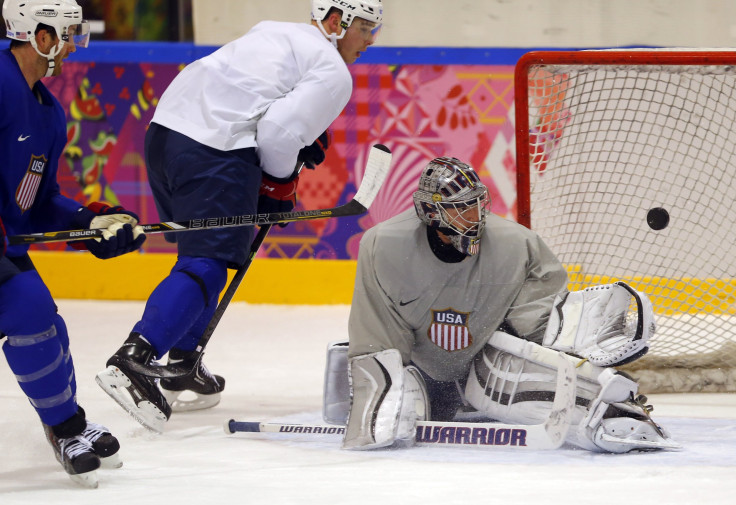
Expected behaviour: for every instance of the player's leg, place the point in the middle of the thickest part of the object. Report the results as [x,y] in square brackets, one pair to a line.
[37,357]
[195,182]
[201,389]
[105,445]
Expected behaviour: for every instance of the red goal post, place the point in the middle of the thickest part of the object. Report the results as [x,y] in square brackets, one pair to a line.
[602,138]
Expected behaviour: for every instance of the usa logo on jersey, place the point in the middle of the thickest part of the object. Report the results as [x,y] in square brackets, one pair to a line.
[449,329]
[25,195]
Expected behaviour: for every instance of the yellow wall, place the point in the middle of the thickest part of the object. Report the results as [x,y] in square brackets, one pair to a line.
[134,276]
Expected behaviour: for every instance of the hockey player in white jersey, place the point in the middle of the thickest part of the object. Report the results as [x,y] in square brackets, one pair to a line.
[463,307]
[225,139]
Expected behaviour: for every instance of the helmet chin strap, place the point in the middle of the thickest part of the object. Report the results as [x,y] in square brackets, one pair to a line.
[332,37]
[53,53]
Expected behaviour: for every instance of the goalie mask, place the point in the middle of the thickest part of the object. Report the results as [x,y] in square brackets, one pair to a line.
[452,199]
[22,17]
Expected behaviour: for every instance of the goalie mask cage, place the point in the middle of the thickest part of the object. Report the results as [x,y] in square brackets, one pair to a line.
[602,138]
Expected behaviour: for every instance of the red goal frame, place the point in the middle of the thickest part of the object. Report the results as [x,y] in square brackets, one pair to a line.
[593,57]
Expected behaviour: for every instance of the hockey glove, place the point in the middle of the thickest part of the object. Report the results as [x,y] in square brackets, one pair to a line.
[121,234]
[314,154]
[277,195]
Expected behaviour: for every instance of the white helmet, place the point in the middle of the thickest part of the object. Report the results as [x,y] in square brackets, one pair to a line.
[452,199]
[65,16]
[370,10]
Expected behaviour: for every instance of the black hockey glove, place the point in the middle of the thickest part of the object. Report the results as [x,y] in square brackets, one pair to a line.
[314,154]
[121,236]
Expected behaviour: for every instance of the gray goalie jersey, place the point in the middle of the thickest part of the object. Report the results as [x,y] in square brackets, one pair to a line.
[439,315]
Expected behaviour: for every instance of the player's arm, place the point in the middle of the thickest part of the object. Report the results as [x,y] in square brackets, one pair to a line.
[296,120]
[545,278]
[54,211]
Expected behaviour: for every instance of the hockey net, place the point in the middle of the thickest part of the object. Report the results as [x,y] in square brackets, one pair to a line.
[602,138]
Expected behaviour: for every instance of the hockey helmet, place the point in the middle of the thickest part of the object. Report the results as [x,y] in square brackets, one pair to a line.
[370,10]
[22,17]
[452,199]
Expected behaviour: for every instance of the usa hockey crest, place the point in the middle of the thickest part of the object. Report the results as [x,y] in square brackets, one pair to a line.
[449,329]
[28,187]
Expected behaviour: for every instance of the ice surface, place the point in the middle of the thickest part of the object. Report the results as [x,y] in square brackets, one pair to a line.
[273,360]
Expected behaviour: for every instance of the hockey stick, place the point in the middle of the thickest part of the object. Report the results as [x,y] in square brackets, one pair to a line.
[548,435]
[376,170]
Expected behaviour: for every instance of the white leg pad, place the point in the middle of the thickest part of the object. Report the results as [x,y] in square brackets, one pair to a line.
[513,381]
[387,400]
[336,393]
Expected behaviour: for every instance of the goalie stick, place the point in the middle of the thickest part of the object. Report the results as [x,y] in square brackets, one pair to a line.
[379,160]
[548,435]
[376,170]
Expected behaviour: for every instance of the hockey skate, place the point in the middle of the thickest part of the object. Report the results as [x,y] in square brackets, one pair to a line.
[139,395]
[105,445]
[77,457]
[205,386]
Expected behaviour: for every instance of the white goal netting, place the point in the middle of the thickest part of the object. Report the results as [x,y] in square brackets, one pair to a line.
[602,138]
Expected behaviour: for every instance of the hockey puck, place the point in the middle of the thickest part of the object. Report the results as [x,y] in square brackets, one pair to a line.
[658,218]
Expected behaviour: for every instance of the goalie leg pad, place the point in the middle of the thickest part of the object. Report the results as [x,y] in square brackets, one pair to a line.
[386,401]
[610,325]
[336,393]
[513,381]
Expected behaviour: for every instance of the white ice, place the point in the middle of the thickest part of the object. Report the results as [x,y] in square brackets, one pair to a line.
[273,360]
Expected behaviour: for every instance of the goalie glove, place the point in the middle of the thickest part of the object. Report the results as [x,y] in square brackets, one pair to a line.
[121,233]
[610,325]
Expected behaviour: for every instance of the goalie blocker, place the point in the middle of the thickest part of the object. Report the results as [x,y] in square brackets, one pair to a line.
[514,381]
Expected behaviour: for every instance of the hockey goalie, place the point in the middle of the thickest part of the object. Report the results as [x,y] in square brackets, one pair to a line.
[463,310]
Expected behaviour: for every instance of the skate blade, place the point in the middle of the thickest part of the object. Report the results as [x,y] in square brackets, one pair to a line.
[87,479]
[116,384]
[111,462]
[200,402]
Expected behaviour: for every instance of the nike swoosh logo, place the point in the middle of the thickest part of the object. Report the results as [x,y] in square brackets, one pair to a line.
[407,303]
[21,138]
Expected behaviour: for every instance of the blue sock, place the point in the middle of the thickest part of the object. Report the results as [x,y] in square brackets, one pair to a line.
[181,301]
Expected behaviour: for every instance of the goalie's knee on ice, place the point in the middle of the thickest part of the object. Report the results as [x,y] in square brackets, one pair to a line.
[386,401]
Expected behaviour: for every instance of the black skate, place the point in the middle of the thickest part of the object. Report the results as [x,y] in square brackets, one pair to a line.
[137,394]
[74,452]
[105,445]
[196,391]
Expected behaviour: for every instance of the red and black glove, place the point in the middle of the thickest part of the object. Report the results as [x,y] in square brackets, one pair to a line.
[277,195]
[314,154]
[122,233]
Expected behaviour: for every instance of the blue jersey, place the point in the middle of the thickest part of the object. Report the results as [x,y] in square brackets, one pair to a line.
[32,138]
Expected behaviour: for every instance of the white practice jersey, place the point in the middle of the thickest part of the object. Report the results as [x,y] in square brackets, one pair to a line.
[276,88]
[439,315]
